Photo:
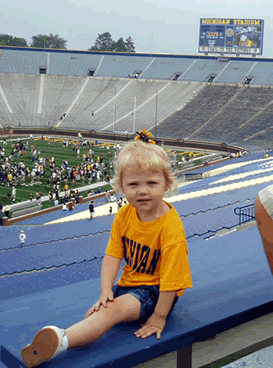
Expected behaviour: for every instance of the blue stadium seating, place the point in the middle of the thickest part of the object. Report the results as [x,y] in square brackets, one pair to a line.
[202,69]
[13,61]
[263,74]
[229,276]
[121,65]
[232,281]
[72,64]
[164,68]
[16,286]
[201,185]
[233,75]
[66,85]
[212,202]
[61,231]
[54,254]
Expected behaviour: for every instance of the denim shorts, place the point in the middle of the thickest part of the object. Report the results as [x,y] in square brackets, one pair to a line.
[148,297]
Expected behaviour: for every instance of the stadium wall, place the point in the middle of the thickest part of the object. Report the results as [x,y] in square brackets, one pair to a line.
[181,143]
[8,222]
[134,54]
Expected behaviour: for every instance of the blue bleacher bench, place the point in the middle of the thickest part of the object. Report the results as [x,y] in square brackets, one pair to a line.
[232,290]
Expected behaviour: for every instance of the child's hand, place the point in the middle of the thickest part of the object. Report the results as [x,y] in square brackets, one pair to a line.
[154,325]
[106,295]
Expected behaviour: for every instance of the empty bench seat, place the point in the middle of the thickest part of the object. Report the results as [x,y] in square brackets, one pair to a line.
[23,208]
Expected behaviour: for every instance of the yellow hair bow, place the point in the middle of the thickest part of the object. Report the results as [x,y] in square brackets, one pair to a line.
[145,136]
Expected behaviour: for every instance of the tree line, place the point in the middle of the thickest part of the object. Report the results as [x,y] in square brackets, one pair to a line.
[103,42]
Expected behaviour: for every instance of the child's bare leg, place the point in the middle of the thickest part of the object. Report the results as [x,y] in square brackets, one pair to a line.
[125,308]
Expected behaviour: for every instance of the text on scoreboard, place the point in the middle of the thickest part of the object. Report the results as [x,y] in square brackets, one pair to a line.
[240,36]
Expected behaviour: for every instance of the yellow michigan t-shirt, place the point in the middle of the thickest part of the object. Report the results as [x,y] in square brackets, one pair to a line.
[156,252]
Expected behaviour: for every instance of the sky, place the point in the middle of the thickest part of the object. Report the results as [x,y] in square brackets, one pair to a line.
[157,26]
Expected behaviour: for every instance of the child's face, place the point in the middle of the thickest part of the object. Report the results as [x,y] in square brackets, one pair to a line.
[150,185]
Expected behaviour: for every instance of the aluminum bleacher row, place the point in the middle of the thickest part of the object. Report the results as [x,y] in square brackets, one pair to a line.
[118,101]
[62,231]
[55,277]
[184,208]
[156,66]
[54,254]
[216,206]
[228,113]
[29,283]
[230,275]
[41,247]
[189,206]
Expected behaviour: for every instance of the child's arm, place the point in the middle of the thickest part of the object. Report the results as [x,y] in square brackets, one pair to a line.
[164,303]
[156,323]
[109,271]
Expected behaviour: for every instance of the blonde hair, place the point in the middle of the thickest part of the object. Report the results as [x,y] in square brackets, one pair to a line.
[138,155]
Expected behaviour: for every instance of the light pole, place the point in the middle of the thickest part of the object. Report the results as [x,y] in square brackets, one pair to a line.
[44,39]
[155,111]
[114,110]
[134,122]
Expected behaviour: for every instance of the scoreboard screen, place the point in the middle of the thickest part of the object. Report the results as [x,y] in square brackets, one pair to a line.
[231,36]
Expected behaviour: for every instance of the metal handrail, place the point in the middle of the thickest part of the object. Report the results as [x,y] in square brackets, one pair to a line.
[245,213]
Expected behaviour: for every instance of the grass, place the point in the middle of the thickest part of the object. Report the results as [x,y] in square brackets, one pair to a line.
[60,154]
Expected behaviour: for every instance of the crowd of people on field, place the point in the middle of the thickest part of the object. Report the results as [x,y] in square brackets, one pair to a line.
[13,168]
[61,178]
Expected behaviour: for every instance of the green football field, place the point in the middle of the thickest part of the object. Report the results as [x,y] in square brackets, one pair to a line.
[60,154]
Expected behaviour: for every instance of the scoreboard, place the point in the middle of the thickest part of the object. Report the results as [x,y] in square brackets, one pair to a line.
[231,36]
